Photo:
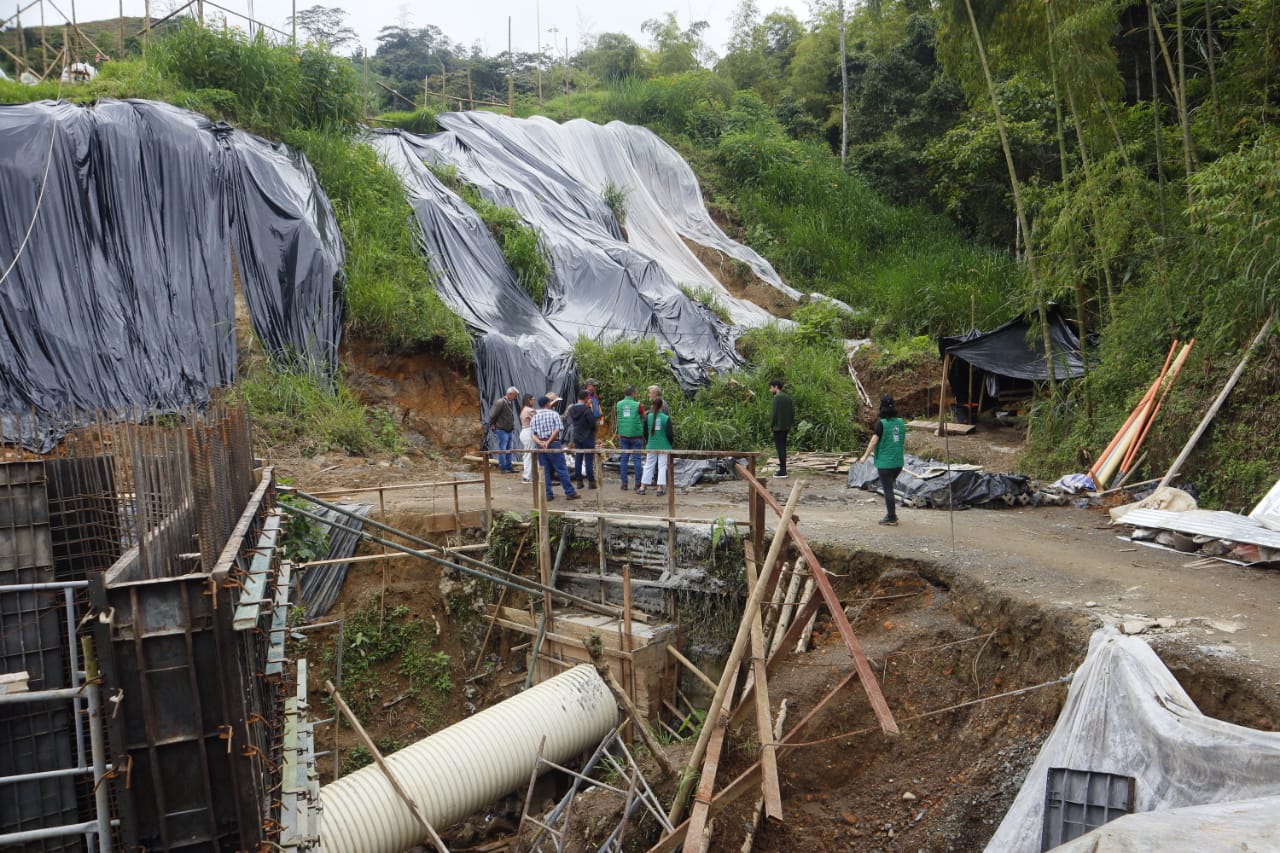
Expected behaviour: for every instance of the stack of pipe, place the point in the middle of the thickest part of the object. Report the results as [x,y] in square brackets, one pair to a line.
[1121,455]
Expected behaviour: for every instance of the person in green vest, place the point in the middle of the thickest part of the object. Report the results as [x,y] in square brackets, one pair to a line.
[886,446]
[630,436]
[659,437]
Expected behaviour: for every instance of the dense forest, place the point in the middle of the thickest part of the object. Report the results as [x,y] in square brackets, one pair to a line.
[1119,159]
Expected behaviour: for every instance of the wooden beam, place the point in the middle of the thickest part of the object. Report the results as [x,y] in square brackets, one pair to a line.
[764,716]
[386,768]
[869,682]
[749,778]
[691,666]
[729,677]
[595,648]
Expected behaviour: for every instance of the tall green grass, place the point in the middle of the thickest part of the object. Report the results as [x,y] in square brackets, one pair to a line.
[390,297]
[296,406]
[733,411]
[521,244]
[270,88]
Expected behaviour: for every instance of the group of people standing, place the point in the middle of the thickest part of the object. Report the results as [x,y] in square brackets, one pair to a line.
[644,432]
[645,435]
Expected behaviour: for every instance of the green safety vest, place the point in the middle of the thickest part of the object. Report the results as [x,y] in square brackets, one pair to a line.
[629,423]
[658,431]
[892,438]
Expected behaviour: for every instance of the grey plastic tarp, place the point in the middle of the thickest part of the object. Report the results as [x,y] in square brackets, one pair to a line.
[1127,715]
[123,296]
[603,286]
[931,483]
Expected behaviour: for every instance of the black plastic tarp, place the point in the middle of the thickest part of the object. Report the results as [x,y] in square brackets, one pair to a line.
[1010,358]
[122,293]
[930,483]
[320,586]
[602,286]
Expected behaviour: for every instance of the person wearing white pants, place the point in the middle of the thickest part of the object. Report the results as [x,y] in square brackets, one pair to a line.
[527,411]
[659,437]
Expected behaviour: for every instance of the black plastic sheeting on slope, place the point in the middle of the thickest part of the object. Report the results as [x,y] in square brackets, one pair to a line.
[601,287]
[321,585]
[923,484]
[515,345]
[123,296]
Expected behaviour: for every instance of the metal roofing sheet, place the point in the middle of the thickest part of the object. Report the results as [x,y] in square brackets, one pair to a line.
[1220,525]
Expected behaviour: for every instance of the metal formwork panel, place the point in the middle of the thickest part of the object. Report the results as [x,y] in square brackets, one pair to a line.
[38,736]
[1079,801]
[170,720]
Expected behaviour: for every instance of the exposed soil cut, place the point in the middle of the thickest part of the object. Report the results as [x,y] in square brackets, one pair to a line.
[739,280]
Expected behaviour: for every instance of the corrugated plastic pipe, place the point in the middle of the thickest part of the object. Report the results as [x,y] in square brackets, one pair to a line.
[467,766]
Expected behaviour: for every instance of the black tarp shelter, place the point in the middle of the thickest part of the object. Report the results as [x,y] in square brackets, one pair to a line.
[984,368]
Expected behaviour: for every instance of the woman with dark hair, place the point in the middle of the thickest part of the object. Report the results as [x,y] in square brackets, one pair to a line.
[886,445]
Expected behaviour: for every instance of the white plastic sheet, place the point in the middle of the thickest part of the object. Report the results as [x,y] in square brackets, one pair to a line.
[1126,714]
[1247,826]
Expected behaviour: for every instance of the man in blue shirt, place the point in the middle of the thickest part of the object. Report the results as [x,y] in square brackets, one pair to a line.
[547,428]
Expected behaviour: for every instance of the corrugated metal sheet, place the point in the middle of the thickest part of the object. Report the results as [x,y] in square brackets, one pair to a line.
[1202,522]
[1267,512]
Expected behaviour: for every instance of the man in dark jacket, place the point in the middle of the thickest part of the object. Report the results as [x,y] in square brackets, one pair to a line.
[582,425]
[503,417]
[781,421]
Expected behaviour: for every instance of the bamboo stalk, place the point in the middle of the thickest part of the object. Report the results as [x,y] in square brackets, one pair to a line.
[778,728]
[802,645]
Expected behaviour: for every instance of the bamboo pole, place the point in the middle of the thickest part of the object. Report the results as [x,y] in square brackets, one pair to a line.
[1262,335]
[1127,464]
[716,708]
[385,768]
[778,728]
[802,645]
[691,666]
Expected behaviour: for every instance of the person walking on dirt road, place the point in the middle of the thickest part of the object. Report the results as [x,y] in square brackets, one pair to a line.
[887,447]
[782,418]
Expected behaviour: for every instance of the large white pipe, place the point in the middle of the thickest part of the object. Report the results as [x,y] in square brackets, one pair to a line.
[467,766]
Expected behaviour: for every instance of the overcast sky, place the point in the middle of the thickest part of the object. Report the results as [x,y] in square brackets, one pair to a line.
[467,21]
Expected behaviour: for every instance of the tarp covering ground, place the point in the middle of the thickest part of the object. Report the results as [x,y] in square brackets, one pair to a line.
[128,220]
[604,285]
[931,483]
[1127,715]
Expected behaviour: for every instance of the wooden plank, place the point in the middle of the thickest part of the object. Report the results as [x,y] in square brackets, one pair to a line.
[749,778]
[869,682]
[952,427]
[764,716]
[706,787]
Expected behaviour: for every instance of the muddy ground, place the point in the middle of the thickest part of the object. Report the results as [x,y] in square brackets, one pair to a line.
[951,607]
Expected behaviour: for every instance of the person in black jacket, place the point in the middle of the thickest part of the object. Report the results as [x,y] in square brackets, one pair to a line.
[782,418]
[582,426]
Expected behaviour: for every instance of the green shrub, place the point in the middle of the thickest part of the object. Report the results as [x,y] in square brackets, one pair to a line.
[419,121]
[708,298]
[521,245]
[295,405]
[374,643]
[616,198]
[390,296]
[276,88]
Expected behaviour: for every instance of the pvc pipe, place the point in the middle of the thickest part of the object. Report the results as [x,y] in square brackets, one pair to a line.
[467,766]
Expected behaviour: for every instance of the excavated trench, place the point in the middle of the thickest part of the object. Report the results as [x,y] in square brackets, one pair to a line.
[974,679]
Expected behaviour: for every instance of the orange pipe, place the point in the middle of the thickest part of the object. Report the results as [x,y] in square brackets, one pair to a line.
[1101,461]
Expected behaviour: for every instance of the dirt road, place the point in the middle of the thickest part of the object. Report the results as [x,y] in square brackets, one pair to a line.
[1059,558]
